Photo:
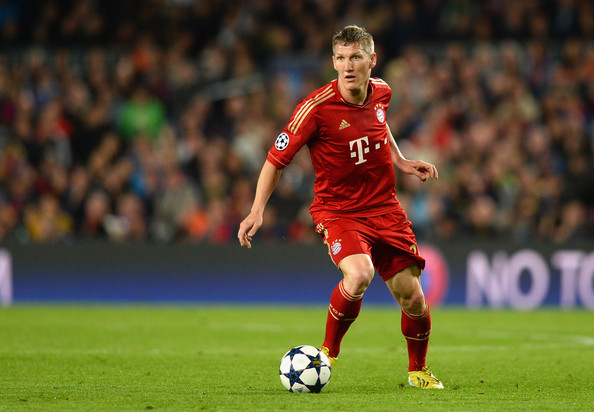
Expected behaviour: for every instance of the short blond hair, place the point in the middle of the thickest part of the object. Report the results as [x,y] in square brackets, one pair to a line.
[354,34]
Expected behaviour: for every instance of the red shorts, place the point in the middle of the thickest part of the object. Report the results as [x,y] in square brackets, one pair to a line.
[387,239]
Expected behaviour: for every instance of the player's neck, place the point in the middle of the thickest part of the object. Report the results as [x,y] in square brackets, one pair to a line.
[354,96]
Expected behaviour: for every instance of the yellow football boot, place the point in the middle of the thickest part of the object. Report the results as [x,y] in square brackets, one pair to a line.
[424,379]
[327,353]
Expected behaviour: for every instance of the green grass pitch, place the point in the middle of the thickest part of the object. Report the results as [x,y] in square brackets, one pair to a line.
[103,358]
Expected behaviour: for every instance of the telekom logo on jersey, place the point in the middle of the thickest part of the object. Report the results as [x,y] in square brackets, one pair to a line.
[360,147]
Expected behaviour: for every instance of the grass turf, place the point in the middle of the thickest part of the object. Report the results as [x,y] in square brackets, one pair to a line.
[226,358]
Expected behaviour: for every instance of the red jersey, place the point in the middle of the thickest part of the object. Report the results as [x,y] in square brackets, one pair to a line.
[349,148]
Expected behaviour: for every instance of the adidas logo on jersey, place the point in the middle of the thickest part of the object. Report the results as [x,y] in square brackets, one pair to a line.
[343,125]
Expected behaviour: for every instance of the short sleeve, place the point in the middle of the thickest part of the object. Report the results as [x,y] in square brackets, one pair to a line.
[298,132]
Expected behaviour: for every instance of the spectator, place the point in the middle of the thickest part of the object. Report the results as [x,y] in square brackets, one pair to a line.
[46,222]
[129,221]
[142,114]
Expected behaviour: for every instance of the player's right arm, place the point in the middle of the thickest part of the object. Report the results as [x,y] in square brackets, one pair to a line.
[267,181]
[300,129]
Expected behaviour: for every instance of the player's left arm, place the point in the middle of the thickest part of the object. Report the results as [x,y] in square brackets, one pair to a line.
[419,168]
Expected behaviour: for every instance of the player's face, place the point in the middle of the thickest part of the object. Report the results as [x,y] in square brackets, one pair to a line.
[353,66]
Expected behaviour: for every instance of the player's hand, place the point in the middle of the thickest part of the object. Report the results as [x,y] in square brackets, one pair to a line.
[420,169]
[248,228]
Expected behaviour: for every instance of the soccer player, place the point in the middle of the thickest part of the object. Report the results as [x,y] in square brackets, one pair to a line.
[355,208]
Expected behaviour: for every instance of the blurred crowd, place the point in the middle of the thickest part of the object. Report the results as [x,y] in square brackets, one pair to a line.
[150,120]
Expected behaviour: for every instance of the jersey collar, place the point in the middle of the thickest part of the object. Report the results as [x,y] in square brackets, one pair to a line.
[370,89]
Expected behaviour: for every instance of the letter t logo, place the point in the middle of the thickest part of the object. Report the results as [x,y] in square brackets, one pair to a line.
[359,150]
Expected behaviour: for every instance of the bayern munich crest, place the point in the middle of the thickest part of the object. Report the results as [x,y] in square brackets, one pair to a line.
[336,247]
[380,114]
[282,141]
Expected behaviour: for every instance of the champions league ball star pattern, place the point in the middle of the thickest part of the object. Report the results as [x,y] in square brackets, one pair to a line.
[305,369]
[282,141]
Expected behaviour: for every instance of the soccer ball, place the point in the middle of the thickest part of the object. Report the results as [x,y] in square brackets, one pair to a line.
[305,369]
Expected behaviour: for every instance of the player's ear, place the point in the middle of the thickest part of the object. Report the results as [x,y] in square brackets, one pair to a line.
[373,60]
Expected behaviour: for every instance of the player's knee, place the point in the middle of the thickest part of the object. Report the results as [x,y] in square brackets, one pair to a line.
[414,303]
[357,283]
[358,272]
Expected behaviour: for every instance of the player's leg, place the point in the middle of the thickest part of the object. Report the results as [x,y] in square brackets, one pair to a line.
[345,301]
[399,264]
[406,288]
[349,248]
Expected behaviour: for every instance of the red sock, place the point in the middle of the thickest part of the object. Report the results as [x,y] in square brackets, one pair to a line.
[416,330]
[342,312]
